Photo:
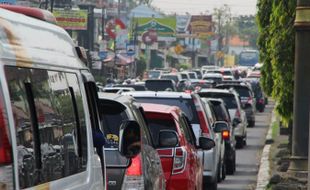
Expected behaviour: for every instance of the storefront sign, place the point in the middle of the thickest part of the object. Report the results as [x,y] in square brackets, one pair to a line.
[71,19]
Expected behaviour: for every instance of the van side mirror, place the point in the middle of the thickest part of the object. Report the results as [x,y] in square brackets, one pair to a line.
[220,126]
[168,138]
[130,139]
[206,143]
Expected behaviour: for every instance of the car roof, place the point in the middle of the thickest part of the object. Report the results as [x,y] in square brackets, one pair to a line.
[160,108]
[25,48]
[116,97]
[159,94]
[213,75]
[215,90]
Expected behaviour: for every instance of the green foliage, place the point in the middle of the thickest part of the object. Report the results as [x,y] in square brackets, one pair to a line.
[276,44]
[247,29]
[184,66]
[141,66]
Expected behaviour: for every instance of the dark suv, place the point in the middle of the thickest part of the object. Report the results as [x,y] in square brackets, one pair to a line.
[145,170]
[222,114]
[247,99]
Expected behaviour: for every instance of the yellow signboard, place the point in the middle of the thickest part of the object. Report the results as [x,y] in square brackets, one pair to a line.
[71,19]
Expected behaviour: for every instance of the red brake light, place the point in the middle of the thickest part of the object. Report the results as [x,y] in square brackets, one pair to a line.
[135,168]
[250,100]
[5,145]
[225,135]
[237,115]
[188,91]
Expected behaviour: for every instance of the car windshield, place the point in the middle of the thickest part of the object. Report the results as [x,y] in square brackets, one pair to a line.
[156,125]
[186,105]
[159,85]
[242,90]
[229,99]
[215,79]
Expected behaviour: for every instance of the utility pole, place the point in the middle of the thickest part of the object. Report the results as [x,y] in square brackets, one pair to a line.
[299,158]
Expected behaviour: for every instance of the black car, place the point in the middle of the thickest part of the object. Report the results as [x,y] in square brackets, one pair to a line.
[247,99]
[144,171]
[160,85]
[222,114]
[258,94]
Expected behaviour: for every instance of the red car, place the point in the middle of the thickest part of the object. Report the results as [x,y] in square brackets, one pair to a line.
[176,144]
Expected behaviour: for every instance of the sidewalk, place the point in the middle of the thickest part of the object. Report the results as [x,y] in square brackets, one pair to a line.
[275,162]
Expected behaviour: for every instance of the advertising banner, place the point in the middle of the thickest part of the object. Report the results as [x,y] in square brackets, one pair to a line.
[71,19]
[201,25]
[165,27]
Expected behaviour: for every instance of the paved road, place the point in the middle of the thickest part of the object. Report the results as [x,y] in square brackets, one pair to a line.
[248,158]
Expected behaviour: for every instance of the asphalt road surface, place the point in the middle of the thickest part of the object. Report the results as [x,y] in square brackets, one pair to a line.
[248,158]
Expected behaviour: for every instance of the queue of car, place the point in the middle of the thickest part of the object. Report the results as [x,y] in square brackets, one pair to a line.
[61,130]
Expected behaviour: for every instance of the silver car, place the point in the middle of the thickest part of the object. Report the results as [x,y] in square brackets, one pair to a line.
[238,116]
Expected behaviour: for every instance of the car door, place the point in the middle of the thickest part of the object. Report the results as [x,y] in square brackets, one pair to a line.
[191,139]
[151,160]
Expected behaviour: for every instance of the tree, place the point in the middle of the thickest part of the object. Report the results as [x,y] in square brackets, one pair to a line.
[247,29]
[277,45]
[263,41]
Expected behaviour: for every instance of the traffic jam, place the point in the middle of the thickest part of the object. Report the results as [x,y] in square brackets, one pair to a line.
[61,129]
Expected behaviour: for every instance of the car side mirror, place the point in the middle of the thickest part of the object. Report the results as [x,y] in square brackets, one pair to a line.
[168,138]
[206,143]
[130,139]
[220,126]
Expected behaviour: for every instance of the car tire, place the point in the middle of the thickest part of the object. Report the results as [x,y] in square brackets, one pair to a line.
[251,123]
[223,170]
[239,142]
[231,165]
[219,172]
[211,185]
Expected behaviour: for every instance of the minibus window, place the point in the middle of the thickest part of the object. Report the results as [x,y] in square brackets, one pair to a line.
[50,124]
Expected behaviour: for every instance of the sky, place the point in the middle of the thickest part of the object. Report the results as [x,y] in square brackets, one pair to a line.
[238,7]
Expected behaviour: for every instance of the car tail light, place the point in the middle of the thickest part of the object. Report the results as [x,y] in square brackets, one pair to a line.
[179,161]
[225,135]
[261,101]
[188,91]
[250,100]
[6,170]
[202,119]
[134,176]
[197,88]
[237,114]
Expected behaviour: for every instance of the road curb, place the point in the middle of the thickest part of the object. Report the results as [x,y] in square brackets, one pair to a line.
[263,176]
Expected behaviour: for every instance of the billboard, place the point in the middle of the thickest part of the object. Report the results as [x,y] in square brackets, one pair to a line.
[164,27]
[201,25]
[71,19]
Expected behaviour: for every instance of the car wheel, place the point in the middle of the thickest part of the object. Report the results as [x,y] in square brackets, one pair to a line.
[240,142]
[231,165]
[210,186]
[251,123]
[219,172]
[223,171]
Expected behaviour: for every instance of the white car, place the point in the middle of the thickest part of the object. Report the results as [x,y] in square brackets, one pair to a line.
[233,104]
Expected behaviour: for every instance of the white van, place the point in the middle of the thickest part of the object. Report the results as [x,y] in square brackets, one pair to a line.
[49,129]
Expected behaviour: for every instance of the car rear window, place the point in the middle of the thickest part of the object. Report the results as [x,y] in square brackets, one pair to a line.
[156,125]
[242,90]
[192,75]
[229,99]
[186,105]
[159,85]
[111,124]
[219,112]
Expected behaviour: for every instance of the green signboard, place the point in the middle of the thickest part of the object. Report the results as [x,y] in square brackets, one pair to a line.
[164,27]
